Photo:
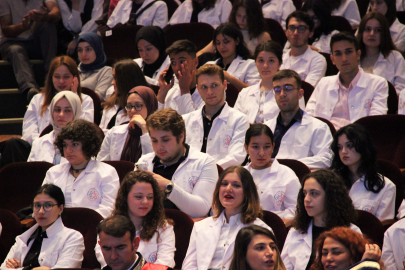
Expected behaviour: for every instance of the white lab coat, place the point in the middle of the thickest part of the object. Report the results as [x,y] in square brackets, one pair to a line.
[204,239]
[298,247]
[214,16]
[155,15]
[369,97]
[108,114]
[155,78]
[96,187]
[248,102]
[34,123]
[323,43]
[397,31]
[183,104]
[194,182]
[157,251]
[311,66]
[381,204]
[308,142]
[43,149]
[72,19]
[62,249]
[278,10]
[243,70]
[114,142]
[392,69]
[226,139]
[350,11]
[393,249]
[278,189]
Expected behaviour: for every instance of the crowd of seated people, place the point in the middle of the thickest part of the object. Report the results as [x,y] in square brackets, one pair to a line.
[223,165]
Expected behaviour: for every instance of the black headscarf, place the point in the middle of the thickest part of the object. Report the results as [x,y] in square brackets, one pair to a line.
[95,42]
[155,36]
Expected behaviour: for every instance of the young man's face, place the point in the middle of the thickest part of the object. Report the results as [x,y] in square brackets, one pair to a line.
[118,252]
[211,89]
[165,145]
[298,33]
[287,100]
[345,57]
[182,58]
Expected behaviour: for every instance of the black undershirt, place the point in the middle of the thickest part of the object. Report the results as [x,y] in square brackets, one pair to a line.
[207,126]
[31,259]
[316,231]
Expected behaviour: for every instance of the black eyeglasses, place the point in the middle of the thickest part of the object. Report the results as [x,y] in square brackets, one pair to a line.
[301,28]
[47,206]
[138,107]
[285,88]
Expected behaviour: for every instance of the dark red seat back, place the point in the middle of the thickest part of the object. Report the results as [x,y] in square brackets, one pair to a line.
[122,167]
[298,167]
[370,226]
[11,229]
[278,227]
[308,89]
[198,33]
[232,94]
[97,104]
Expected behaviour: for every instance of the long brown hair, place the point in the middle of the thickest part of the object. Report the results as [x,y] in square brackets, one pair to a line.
[49,89]
[251,208]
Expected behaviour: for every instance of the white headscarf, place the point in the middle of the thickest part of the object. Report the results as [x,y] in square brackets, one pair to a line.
[74,101]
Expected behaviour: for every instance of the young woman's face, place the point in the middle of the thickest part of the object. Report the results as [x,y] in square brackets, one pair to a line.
[231,193]
[348,154]
[335,255]
[378,6]
[267,64]
[261,253]
[140,108]
[314,200]
[226,46]
[46,210]
[241,18]
[148,52]
[86,53]
[372,33]
[260,149]
[140,199]
[63,112]
[62,79]
[73,152]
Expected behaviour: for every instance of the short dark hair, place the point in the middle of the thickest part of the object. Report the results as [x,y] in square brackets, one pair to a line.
[52,191]
[344,36]
[288,73]
[256,130]
[81,131]
[183,45]
[270,46]
[167,120]
[117,226]
[211,70]
[300,16]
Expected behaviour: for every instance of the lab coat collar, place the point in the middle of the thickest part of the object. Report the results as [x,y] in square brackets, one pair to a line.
[90,168]
[223,115]
[218,222]
[306,56]
[380,59]
[362,83]
[234,65]
[255,90]
[273,169]
[52,231]
[306,237]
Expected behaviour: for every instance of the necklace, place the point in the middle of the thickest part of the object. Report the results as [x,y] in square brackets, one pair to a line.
[77,170]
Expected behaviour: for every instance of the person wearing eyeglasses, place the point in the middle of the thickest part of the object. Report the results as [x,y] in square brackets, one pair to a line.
[130,141]
[309,64]
[352,93]
[296,134]
[48,244]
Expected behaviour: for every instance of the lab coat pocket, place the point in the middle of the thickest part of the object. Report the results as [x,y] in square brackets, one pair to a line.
[226,140]
[48,259]
[369,206]
[192,178]
[278,194]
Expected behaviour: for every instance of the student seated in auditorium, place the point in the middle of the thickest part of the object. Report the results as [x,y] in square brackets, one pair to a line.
[309,64]
[186,175]
[352,93]
[216,128]
[183,96]
[213,12]
[296,134]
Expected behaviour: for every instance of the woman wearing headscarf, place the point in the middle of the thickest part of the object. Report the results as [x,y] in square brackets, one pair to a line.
[65,107]
[129,142]
[150,43]
[94,74]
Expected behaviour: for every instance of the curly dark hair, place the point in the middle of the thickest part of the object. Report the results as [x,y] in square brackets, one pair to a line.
[153,220]
[361,140]
[254,13]
[339,207]
[85,132]
[352,240]
[251,208]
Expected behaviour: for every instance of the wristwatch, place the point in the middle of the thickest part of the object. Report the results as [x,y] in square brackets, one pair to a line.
[169,188]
